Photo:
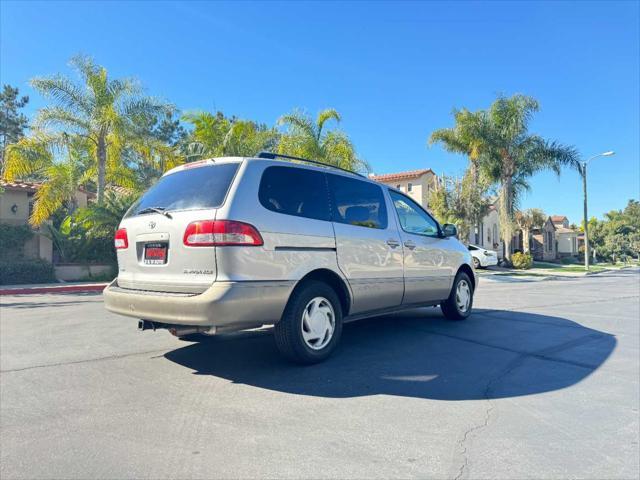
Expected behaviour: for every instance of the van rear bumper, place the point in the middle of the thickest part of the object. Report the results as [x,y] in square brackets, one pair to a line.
[224,304]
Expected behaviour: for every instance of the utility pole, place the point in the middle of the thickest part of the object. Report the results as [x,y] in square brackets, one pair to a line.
[586,217]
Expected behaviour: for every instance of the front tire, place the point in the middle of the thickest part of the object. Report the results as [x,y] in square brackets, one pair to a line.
[458,305]
[476,263]
[311,325]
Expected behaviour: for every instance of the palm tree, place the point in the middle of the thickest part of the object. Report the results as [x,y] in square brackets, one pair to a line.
[527,220]
[307,138]
[466,137]
[103,111]
[61,173]
[510,155]
[216,135]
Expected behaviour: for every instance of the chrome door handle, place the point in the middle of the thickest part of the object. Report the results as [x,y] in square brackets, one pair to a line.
[393,243]
[409,244]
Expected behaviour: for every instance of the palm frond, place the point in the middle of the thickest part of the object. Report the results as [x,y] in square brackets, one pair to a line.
[64,92]
[324,116]
[52,116]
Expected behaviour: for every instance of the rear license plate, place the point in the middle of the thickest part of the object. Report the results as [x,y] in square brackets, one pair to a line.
[155,253]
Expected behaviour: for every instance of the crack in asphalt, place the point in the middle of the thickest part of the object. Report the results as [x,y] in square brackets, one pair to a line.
[515,363]
[88,360]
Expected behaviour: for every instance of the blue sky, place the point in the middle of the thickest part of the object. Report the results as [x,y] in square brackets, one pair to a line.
[393,70]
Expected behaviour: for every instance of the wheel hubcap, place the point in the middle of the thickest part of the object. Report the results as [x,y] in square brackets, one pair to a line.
[318,323]
[463,296]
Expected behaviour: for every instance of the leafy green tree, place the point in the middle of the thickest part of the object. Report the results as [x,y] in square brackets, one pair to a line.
[454,201]
[527,220]
[308,138]
[617,236]
[12,122]
[102,110]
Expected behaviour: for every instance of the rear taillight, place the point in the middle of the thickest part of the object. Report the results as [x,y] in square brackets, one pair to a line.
[120,240]
[209,233]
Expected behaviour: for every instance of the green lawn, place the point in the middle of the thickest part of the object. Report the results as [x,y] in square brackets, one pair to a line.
[577,268]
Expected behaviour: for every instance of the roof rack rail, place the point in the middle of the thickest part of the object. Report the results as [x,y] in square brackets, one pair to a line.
[273,156]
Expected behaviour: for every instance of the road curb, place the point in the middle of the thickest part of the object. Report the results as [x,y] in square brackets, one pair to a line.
[93,287]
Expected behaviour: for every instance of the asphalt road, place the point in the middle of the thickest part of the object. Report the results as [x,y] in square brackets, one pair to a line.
[541,382]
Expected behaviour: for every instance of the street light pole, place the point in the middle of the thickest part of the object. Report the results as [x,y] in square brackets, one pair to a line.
[586,217]
[583,173]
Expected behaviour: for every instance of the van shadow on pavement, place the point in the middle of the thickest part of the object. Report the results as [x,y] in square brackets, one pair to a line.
[493,354]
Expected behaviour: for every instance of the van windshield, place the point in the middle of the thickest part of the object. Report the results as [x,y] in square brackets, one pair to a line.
[190,189]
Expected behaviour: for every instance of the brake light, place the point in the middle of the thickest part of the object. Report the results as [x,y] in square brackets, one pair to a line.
[208,233]
[121,240]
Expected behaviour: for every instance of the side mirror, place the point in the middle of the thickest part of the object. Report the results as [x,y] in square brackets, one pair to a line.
[449,230]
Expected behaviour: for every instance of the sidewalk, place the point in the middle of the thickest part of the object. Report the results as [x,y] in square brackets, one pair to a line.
[544,272]
[52,288]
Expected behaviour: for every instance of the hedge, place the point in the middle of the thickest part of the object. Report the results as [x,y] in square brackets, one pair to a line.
[26,271]
[12,240]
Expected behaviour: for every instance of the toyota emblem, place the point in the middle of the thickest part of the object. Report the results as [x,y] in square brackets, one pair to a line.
[152,224]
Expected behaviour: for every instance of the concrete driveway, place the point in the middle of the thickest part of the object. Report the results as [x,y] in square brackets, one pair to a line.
[541,382]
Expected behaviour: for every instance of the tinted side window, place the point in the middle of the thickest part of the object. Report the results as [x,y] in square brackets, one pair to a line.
[295,191]
[413,219]
[357,203]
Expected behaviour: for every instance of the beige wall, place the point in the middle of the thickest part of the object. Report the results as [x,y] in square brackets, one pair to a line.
[37,246]
[9,198]
[489,235]
[420,187]
[567,243]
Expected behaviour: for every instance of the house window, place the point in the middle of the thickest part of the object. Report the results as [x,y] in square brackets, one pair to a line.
[409,187]
[549,240]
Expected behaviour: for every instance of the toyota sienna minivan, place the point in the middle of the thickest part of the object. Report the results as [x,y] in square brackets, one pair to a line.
[238,243]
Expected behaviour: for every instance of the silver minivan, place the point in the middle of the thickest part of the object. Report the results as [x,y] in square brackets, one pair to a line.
[238,243]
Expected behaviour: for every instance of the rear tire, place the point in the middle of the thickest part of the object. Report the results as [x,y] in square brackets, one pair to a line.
[311,325]
[460,302]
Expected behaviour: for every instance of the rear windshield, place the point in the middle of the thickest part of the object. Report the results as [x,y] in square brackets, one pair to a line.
[190,189]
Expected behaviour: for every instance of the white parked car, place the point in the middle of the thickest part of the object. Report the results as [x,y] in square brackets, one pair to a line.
[482,257]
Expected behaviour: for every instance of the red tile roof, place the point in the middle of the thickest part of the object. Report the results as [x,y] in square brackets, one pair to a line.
[20,186]
[558,218]
[392,177]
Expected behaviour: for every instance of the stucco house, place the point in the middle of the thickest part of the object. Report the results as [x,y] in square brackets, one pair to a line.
[415,183]
[488,234]
[566,237]
[16,205]
[543,242]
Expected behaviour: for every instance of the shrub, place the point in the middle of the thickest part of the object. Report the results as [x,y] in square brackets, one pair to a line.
[570,261]
[521,261]
[12,240]
[26,271]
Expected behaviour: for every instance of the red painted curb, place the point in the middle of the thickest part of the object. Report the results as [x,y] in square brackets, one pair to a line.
[53,289]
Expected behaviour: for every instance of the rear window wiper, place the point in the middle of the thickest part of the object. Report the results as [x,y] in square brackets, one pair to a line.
[159,210]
